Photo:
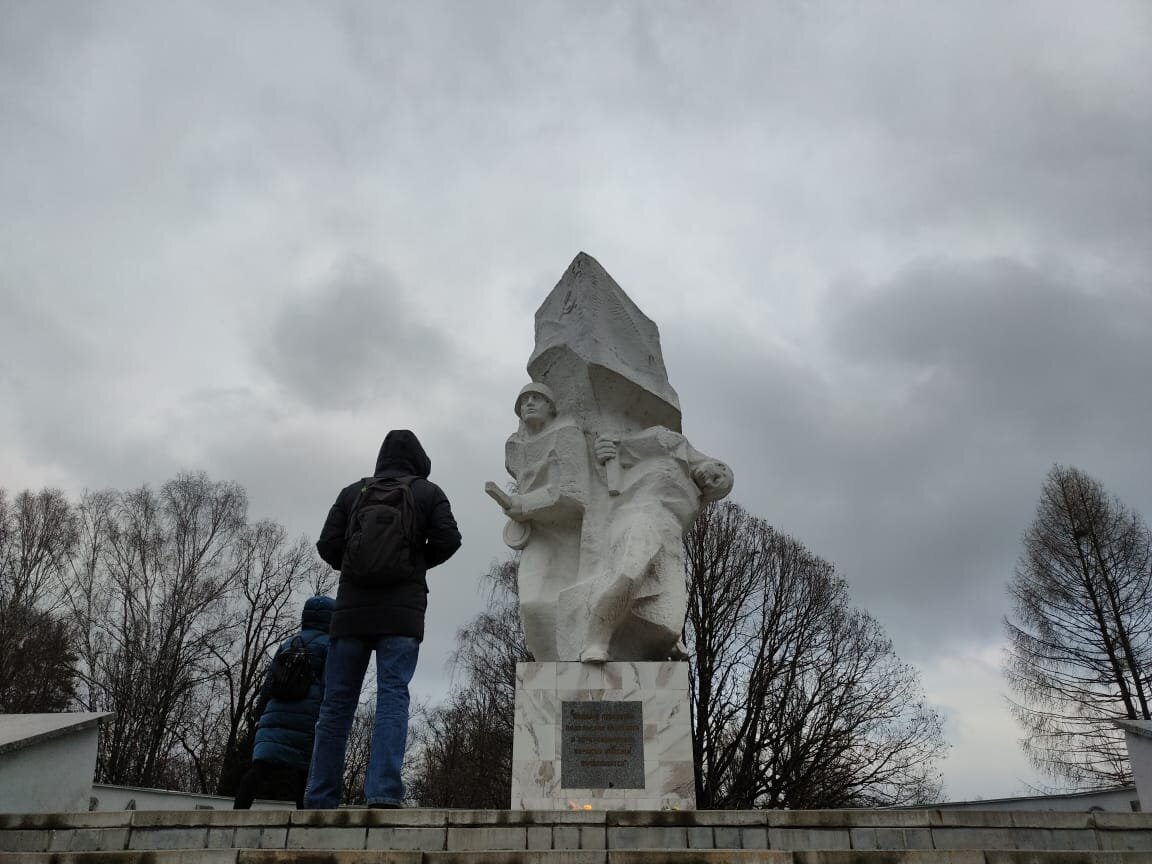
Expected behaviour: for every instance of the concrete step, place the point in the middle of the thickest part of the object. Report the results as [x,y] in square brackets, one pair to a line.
[635,856]
[580,837]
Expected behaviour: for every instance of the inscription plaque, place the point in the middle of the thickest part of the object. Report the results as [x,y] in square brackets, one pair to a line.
[602,745]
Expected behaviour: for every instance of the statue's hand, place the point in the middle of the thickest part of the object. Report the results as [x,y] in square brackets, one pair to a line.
[497,494]
[515,509]
[605,449]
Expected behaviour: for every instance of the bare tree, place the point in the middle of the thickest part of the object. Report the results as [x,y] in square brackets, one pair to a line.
[491,644]
[162,606]
[88,605]
[359,746]
[798,699]
[463,753]
[1080,638]
[154,606]
[267,574]
[38,532]
[36,661]
[462,750]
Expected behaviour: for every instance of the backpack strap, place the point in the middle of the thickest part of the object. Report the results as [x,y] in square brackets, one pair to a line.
[319,673]
[411,528]
[356,506]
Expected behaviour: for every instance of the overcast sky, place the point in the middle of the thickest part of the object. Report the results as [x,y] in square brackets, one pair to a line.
[900,255]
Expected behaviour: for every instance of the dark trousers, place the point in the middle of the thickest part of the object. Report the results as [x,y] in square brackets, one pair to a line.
[273,781]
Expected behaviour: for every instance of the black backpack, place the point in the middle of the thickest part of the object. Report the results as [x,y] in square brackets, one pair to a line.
[291,675]
[379,543]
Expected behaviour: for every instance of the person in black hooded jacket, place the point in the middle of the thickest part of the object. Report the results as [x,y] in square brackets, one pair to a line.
[387,619]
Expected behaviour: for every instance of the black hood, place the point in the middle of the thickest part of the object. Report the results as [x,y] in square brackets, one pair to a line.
[401,451]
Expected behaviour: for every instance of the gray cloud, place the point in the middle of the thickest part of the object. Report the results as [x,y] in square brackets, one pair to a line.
[52,376]
[34,340]
[353,340]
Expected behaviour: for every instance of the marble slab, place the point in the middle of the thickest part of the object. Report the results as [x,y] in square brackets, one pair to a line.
[663,750]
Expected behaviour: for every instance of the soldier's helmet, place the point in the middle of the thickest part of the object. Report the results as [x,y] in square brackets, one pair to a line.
[539,389]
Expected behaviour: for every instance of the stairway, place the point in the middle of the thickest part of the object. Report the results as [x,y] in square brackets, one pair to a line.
[353,836]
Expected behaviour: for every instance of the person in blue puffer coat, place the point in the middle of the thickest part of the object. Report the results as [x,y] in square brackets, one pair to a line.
[285,732]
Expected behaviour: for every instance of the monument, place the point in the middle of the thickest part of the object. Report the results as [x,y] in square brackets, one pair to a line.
[605,487]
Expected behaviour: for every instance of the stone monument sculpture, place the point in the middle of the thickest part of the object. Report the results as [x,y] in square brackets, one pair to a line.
[605,487]
[606,484]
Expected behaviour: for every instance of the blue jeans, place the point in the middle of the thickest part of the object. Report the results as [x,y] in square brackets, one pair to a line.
[343,676]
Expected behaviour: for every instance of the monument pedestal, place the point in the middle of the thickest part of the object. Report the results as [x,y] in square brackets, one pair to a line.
[616,736]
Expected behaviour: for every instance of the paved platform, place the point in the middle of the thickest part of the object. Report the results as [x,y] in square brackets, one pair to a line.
[578,837]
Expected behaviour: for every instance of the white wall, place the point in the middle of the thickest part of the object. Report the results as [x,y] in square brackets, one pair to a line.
[1110,800]
[53,775]
[1138,737]
[120,797]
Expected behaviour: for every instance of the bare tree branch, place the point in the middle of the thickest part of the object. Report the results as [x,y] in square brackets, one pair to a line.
[798,699]
[1080,637]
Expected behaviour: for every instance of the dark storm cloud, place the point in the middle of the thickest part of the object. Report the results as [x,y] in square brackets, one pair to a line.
[353,339]
[1025,347]
[913,459]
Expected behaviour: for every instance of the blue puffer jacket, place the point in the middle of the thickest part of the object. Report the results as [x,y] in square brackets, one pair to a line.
[285,732]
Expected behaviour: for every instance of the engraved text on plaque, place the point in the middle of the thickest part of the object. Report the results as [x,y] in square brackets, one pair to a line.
[602,745]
